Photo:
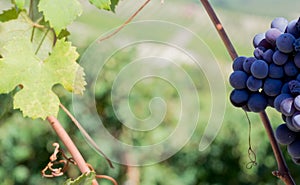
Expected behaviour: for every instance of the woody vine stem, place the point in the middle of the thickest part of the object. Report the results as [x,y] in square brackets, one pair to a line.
[283,171]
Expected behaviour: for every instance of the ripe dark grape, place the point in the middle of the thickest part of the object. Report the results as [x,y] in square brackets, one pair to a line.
[280,58]
[238,79]
[297,102]
[290,69]
[294,86]
[280,23]
[284,135]
[279,99]
[292,28]
[285,89]
[285,43]
[297,59]
[238,63]
[294,149]
[268,56]
[254,84]
[257,102]
[272,34]
[258,38]
[259,69]
[276,71]
[248,63]
[287,107]
[296,121]
[239,98]
[297,45]
[272,87]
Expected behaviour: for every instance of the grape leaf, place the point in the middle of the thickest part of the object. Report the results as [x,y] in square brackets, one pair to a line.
[113,5]
[8,15]
[84,179]
[19,3]
[60,13]
[23,27]
[20,65]
[35,70]
[101,4]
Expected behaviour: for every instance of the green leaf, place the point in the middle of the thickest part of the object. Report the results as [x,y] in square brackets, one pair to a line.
[101,4]
[84,179]
[23,27]
[63,34]
[37,72]
[60,13]
[19,3]
[8,15]
[113,5]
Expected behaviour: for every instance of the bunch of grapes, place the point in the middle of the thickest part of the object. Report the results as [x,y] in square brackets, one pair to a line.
[271,78]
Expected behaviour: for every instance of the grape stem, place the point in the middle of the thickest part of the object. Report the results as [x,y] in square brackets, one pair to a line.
[125,23]
[67,141]
[283,171]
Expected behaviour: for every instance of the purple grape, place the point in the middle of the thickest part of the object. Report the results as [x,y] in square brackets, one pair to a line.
[294,86]
[258,38]
[290,69]
[292,28]
[290,125]
[259,69]
[284,135]
[257,102]
[254,84]
[294,149]
[280,58]
[272,34]
[272,87]
[287,107]
[265,44]
[258,53]
[280,23]
[285,89]
[297,102]
[239,98]
[297,45]
[297,60]
[248,63]
[238,79]
[238,63]
[279,99]
[268,56]
[275,71]
[285,43]
[296,121]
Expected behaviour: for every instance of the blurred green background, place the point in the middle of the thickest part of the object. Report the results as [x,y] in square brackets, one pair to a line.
[25,144]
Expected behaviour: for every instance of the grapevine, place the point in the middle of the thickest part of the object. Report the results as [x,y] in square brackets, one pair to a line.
[257,82]
[36,55]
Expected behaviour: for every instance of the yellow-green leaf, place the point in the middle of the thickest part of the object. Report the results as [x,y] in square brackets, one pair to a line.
[60,13]
[36,69]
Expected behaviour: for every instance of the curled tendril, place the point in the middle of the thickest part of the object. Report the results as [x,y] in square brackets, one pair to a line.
[51,170]
[251,153]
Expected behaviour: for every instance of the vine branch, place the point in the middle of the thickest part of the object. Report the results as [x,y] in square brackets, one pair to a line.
[283,171]
[125,23]
[86,135]
[65,138]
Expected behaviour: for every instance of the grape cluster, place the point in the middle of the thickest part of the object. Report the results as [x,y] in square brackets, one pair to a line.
[271,78]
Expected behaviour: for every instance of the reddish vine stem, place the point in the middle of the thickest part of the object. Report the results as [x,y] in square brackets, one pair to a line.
[65,138]
[283,171]
[85,134]
[125,23]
